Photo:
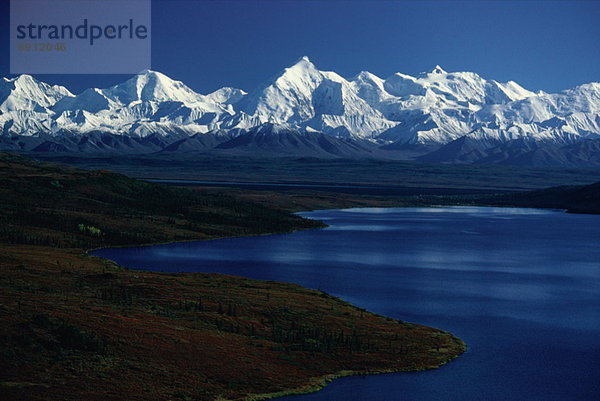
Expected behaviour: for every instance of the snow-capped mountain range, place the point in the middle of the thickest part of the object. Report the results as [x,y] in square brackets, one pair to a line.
[436,115]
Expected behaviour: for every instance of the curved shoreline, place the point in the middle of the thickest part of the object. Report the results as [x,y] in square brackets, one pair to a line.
[319,383]
[315,384]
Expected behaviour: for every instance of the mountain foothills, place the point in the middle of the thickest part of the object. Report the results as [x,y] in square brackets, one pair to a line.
[435,116]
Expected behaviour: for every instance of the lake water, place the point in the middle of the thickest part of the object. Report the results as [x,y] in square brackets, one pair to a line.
[520,286]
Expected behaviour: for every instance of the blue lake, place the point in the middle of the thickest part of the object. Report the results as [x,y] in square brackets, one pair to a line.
[520,286]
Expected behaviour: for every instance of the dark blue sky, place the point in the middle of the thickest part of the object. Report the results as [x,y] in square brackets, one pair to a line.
[549,45]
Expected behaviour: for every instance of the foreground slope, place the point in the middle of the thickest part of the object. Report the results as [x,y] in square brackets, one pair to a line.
[78,327]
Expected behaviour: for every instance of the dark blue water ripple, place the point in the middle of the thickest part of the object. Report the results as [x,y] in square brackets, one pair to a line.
[520,286]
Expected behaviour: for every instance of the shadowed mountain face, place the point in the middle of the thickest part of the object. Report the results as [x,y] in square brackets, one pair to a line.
[459,116]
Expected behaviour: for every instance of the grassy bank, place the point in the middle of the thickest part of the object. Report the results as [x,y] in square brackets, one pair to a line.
[79,327]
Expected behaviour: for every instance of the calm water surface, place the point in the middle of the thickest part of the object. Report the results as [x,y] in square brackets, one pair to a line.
[520,286]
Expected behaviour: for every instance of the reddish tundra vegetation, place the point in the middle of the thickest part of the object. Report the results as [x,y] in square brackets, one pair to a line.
[76,327]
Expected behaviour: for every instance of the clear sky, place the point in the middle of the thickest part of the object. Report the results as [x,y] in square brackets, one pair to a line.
[542,44]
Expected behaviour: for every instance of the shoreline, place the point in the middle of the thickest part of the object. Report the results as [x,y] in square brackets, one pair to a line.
[277,289]
[315,384]
[319,383]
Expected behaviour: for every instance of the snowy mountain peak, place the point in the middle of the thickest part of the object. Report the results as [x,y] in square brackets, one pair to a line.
[27,93]
[367,76]
[286,98]
[301,67]
[431,109]
[148,71]
[438,70]
[226,95]
[24,79]
[148,86]
[25,82]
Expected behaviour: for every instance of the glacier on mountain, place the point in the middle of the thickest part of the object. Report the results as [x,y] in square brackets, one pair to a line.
[432,109]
